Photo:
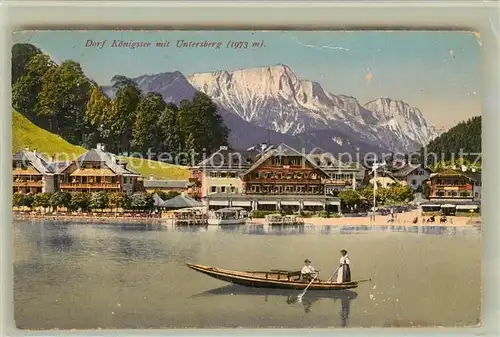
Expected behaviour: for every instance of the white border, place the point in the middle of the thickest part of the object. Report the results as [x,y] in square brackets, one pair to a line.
[479,16]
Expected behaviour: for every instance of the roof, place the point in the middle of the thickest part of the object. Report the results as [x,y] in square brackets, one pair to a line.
[107,158]
[278,151]
[406,170]
[474,176]
[35,159]
[181,201]
[167,183]
[230,159]
[237,196]
[157,200]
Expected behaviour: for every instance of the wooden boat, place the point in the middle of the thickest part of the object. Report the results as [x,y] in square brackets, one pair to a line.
[228,216]
[282,279]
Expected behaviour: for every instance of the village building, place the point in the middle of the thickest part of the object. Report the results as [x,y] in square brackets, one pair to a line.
[341,176]
[98,170]
[453,191]
[180,186]
[32,173]
[271,178]
[414,175]
[221,172]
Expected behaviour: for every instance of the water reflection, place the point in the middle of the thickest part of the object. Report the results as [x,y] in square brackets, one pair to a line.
[291,298]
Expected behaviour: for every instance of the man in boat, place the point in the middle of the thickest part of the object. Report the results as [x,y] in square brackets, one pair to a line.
[308,272]
[344,271]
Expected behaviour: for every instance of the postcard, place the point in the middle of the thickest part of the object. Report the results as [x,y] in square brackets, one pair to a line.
[246,179]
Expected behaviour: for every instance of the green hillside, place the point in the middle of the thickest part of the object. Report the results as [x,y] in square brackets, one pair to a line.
[26,134]
[465,137]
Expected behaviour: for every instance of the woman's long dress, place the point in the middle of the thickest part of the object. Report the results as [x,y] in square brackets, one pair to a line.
[344,273]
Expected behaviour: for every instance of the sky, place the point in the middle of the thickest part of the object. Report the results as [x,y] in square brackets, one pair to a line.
[438,72]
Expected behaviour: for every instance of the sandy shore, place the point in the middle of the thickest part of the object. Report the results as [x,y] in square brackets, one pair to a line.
[402,219]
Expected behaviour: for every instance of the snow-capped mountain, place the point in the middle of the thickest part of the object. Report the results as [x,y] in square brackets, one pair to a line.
[272,102]
[402,119]
[172,86]
[274,97]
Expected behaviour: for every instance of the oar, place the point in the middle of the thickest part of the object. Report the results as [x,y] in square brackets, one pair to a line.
[299,297]
[333,274]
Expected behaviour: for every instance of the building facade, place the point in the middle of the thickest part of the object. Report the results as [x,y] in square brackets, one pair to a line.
[267,178]
[32,173]
[453,191]
[179,186]
[97,170]
[414,175]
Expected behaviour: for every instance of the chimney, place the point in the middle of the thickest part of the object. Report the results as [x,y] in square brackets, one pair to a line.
[151,177]
[100,147]
[27,149]
[222,148]
[263,146]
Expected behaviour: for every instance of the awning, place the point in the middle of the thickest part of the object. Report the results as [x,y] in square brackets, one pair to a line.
[242,203]
[467,206]
[313,203]
[333,202]
[430,205]
[448,206]
[290,202]
[218,202]
[267,202]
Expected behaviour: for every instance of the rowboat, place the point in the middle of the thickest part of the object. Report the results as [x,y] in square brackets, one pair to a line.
[281,279]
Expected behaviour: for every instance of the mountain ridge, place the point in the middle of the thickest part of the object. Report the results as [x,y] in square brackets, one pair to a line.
[274,97]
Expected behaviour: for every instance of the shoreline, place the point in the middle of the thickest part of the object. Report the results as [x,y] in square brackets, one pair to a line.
[403,219]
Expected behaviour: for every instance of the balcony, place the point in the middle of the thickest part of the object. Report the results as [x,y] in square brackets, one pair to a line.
[28,183]
[339,182]
[284,181]
[89,186]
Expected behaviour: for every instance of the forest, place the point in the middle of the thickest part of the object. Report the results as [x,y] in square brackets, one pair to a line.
[465,138]
[60,98]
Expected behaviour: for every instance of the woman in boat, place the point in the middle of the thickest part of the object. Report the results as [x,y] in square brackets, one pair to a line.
[344,271]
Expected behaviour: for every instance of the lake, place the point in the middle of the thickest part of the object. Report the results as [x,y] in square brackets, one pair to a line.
[83,276]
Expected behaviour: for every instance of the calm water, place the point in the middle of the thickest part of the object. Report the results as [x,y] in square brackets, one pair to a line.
[87,276]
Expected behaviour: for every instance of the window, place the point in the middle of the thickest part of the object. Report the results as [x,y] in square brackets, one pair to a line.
[413,182]
[278,161]
[223,174]
[213,174]
[294,161]
[233,189]
[223,189]
[232,174]
[213,189]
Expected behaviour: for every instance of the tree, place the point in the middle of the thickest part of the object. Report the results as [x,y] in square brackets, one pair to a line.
[28,86]
[60,199]
[42,200]
[116,200]
[98,200]
[17,199]
[80,201]
[349,198]
[125,105]
[203,127]
[63,98]
[28,201]
[141,201]
[425,191]
[170,133]
[146,128]
[22,53]
[99,113]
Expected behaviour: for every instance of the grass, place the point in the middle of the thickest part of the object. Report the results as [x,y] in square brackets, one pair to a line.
[26,134]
